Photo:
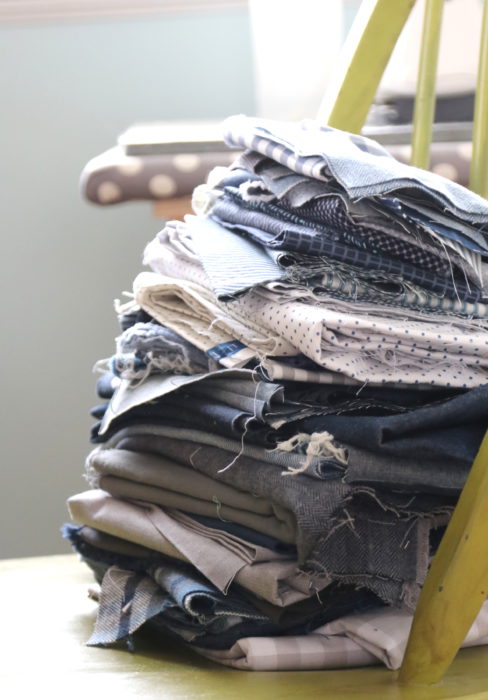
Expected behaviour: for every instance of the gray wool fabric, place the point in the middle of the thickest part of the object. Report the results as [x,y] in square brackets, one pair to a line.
[334,520]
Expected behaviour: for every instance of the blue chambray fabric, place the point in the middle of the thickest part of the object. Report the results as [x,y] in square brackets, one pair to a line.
[383,223]
[436,222]
[233,264]
[361,166]
[267,225]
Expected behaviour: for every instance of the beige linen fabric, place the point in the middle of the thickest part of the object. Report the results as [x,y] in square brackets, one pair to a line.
[360,346]
[161,481]
[192,311]
[221,557]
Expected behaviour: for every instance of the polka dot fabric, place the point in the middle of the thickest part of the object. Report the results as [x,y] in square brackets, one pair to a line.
[363,347]
[371,348]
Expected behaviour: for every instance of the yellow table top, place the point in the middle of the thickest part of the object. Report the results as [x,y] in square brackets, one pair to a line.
[46,617]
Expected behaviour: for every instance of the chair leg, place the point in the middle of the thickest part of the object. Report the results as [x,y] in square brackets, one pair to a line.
[478,178]
[423,115]
[456,586]
[363,60]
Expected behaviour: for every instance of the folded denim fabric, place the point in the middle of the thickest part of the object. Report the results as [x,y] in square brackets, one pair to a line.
[182,602]
[268,230]
[107,384]
[172,599]
[99,410]
[187,410]
[166,482]
[245,392]
[362,639]
[229,402]
[147,347]
[452,429]
[360,165]
[157,387]
[248,409]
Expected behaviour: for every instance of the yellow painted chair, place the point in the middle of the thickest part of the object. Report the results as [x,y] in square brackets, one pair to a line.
[457,583]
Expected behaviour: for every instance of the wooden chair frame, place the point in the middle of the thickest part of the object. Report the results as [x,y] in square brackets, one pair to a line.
[457,583]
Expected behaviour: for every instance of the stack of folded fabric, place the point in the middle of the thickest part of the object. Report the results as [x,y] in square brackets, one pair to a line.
[296,398]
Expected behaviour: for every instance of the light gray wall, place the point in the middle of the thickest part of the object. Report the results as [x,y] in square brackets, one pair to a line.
[67,90]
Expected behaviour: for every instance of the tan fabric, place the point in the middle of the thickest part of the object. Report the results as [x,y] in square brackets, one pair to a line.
[355,640]
[221,557]
[117,545]
[145,477]
[192,311]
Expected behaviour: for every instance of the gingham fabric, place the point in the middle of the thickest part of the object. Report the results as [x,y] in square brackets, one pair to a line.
[356,640]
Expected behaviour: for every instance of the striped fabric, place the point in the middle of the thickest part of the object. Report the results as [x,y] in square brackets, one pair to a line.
[361,166]
[213,244]
[127,601]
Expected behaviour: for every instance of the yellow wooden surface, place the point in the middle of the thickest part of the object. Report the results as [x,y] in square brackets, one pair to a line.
[46,618]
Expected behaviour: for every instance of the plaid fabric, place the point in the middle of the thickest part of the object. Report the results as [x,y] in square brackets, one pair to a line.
[356,640]
[182,602]
[265,228]
[274,370]
[127,601]
[332,210]
[385,216]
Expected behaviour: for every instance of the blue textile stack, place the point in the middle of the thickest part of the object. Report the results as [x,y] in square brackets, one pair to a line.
[297,394]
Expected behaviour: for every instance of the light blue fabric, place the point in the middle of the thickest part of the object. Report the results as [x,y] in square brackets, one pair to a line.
[233,264]
[437,223]
[360,165]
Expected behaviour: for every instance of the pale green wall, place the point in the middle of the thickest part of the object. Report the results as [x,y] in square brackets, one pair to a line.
[66,91]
